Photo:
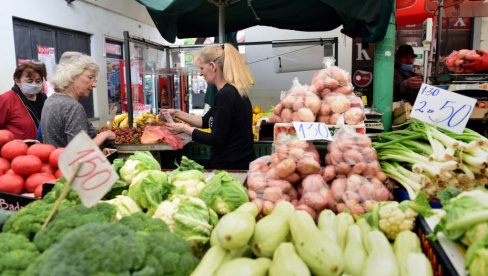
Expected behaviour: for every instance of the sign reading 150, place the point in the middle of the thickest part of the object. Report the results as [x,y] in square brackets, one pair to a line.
[452,112]
[92,175]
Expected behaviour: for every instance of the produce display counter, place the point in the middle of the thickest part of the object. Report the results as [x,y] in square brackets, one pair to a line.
[164,153]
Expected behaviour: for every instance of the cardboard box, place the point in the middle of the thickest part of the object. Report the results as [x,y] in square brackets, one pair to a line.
[402,113]
[478,111]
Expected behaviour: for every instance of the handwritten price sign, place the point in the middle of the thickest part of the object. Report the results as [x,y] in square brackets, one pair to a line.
[95,177]
[443,108]
[312,131]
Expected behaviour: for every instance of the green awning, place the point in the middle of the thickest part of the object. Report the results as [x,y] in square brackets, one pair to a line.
[366,19]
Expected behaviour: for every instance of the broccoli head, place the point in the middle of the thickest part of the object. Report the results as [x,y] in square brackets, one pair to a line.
[167,254]
[144,223]
[115,249]
[29,220]
[51,197]
[70,218]
[90,249]
[16,253]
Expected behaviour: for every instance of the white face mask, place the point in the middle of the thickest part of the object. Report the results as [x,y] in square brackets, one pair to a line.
[31,89]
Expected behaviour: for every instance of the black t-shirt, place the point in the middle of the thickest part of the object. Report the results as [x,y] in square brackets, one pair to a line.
[231,139]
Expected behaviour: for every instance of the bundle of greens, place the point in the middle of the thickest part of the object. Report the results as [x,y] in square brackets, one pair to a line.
[425,158]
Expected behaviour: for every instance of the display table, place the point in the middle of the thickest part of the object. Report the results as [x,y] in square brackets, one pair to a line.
[164,153]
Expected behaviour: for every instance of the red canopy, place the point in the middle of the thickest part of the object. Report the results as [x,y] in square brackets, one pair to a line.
[416,11]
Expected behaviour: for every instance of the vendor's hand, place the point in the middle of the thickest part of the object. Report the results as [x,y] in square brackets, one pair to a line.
[476,63]
[171,112]
[413,82]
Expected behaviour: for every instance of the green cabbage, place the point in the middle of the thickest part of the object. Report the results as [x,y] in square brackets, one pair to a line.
[466,217]
[477,257]
[149,188]
[188,217]
[224,193]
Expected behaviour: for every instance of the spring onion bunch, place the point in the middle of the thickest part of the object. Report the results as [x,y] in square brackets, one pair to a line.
[429,159]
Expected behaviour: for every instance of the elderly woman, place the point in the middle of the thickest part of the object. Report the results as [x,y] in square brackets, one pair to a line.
[21,107]
[230,118]
[63,117]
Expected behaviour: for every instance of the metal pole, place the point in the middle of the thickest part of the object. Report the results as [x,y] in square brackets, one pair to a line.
[439,35]
[221,23]
[384,53]
[128,80]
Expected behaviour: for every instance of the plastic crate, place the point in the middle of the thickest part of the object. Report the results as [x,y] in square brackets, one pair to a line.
[197,151]
[263,148]
[441,264]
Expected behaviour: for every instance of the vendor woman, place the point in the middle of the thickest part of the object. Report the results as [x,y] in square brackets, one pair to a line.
[230,118]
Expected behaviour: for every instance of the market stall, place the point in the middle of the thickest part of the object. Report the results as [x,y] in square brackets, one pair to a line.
[322,198]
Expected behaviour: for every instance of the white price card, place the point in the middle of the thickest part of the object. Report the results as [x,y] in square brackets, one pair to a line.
[96,175]
[312,131]
[442,108]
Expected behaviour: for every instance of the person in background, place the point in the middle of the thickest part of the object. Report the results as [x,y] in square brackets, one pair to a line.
[230,118]
[21,107]
[406,84]
[63,116]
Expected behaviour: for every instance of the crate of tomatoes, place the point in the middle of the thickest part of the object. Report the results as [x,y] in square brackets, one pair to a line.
[26,165]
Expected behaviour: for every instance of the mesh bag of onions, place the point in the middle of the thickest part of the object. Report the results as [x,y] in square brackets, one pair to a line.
[333,85]
[274,177]
[299,105]
[354,173]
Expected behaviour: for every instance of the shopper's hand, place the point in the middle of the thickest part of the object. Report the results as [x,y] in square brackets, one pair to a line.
[109,135]
[476,63]
[413,82]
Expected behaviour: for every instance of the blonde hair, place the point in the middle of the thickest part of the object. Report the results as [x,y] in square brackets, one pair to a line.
[71,64]
[230,62]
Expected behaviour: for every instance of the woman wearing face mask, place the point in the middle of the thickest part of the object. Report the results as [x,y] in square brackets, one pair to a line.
[406,82]
[64,117]
[21,107]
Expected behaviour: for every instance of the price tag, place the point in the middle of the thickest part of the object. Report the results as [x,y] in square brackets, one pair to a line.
[443,108]
[312,131]
[95,177]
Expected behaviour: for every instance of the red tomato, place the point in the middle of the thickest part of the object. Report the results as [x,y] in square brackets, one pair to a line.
[46,168]
[38,191]
[13,149]
[11,183]
[58,173]
[26,164]
[54,156]
[10,171]
[4,165]
[37,179]
[42,151]
[5,137]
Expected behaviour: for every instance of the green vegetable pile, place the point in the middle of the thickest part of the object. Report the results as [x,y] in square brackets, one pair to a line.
[466,221]
[425,158]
